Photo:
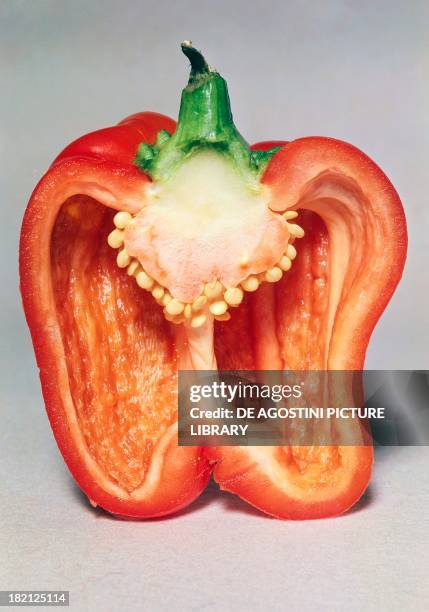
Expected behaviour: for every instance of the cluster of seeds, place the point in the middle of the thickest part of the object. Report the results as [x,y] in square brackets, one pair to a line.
[215,298]
[274,274]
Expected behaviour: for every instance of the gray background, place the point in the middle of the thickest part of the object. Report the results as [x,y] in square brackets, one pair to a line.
[353,70]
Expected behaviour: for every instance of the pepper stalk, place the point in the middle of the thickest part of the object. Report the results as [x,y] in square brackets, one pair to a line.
[205,122]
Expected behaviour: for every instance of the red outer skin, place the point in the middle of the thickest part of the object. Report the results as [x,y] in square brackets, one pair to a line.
[99,163]
[292,168]
[119,143]
[236,473]
[296,164]
[265,145]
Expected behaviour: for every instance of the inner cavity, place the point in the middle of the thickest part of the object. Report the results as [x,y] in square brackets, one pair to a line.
[119,351]
[284,325]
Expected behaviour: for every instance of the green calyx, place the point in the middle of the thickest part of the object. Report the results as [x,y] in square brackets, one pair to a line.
[205,122]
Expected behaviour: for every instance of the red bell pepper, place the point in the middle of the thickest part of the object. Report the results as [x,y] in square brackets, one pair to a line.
[203,278]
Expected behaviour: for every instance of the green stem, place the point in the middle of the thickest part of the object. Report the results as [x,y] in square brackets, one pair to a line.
[205,122]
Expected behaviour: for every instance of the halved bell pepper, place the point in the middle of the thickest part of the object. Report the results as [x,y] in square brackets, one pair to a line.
[149,247]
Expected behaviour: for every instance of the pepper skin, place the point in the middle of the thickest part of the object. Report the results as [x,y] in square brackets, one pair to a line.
[364,224]
[108,351]
[99,166]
